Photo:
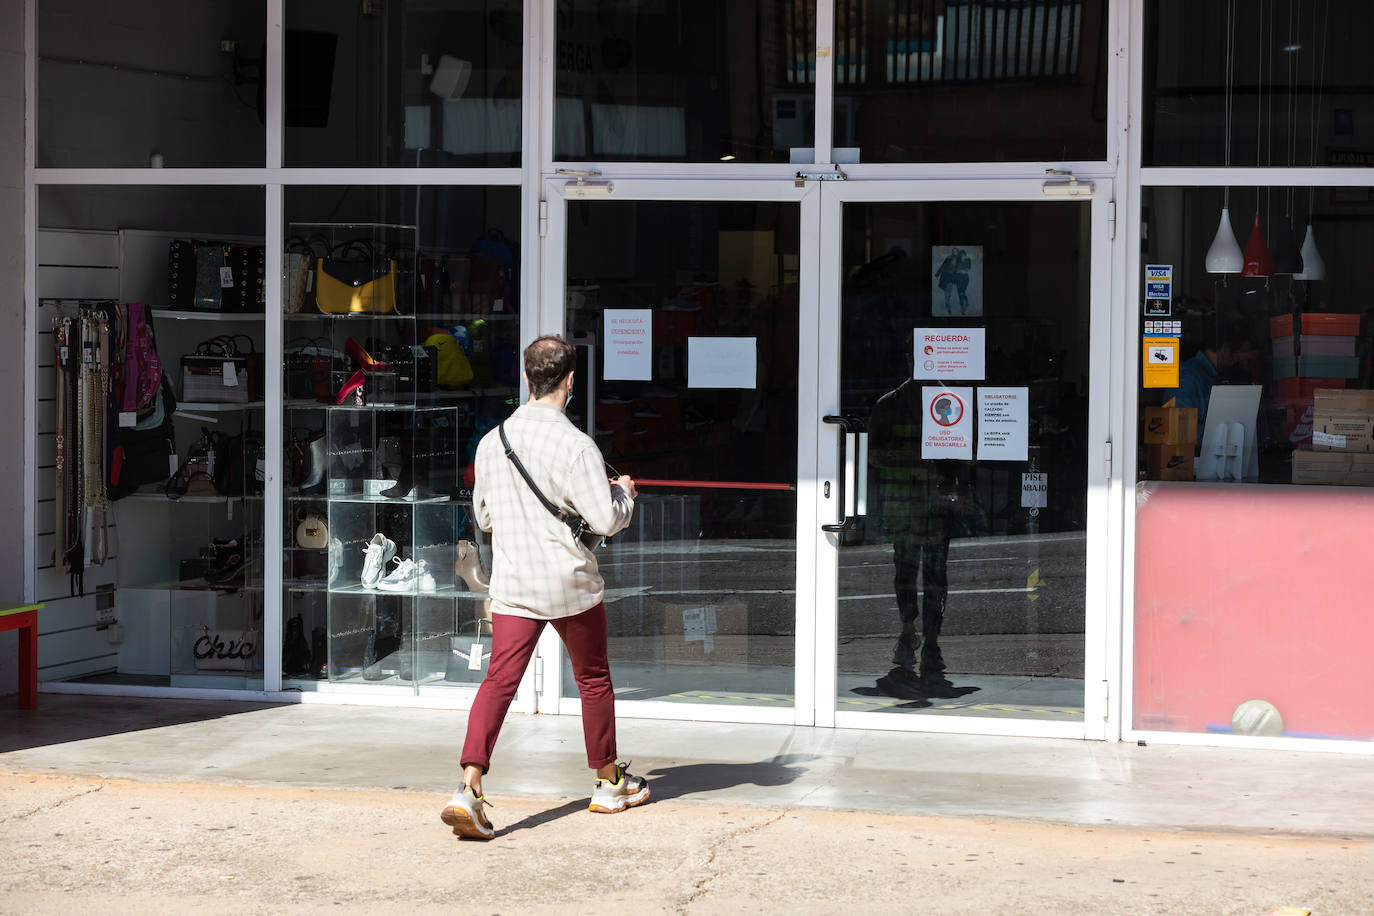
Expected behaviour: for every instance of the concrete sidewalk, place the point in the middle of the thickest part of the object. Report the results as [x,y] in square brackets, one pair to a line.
[166,805]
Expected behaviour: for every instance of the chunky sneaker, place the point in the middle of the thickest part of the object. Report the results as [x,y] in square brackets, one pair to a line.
[612,797]
[380,550]
[408,576]
[464,814]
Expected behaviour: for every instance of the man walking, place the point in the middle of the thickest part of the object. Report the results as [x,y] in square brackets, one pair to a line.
[542,574]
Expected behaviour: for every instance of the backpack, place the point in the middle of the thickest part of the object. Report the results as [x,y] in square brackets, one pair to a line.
[142,370]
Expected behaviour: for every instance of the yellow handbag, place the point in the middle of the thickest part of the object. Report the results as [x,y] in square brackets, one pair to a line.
[351,287]
[453,369]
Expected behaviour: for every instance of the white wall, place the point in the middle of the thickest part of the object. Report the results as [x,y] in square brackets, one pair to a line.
[12,331]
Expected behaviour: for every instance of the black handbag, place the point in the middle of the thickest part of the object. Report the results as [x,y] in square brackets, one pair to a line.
[145,453]
[240,463]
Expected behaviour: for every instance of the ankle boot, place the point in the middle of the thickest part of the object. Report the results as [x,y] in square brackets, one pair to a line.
[468,566]
[295,651]
[318,464]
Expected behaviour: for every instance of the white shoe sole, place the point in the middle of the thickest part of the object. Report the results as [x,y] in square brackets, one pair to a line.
[464,824]
[623,802]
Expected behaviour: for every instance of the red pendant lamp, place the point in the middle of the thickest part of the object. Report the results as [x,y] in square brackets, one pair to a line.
[1258,261]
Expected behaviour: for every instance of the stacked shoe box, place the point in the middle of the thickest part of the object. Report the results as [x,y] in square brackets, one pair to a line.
[1170,436]
[1311,351]
[1342,451]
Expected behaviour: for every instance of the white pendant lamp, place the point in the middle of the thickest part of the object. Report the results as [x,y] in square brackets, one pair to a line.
[1225,256]
[1313,267]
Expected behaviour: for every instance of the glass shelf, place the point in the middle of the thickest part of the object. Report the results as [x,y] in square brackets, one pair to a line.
[184,407]
[207,315]
[156,494]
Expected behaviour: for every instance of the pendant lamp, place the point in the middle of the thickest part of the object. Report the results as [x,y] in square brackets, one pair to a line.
[1225,256]
[1258,261]
[1287,258]
[1313,267]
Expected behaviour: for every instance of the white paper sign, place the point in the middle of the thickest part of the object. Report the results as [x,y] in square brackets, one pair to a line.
[948,353]
[722,362]
[1003,424]
[629,344]
[1035,490]
[947,424]
[1330,440]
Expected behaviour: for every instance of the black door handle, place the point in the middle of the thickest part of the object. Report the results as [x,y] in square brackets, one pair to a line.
[847,426]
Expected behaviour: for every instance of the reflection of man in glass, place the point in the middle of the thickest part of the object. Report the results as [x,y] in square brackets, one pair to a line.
[917,516]
[1197,376]
[952,275]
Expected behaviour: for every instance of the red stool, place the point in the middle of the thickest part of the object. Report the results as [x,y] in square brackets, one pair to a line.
[24,618]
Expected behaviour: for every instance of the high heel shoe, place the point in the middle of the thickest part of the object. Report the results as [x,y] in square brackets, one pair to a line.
[468,566]
[365,361]
[354,384]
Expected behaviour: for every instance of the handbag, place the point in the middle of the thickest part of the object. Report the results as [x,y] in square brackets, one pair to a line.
[351,281]
[469,657]
[225,650]
[145,452]
[239,466]
[195,475]
[311,533]
[219,372]
[576,523]
[242,287]
[309,362]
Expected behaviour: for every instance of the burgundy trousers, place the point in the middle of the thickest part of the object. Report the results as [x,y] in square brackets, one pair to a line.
[512,645]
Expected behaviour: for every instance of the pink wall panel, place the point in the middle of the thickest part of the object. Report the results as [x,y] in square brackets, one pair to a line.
[1255,592]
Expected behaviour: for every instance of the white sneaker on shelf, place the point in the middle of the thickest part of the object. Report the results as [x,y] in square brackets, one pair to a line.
[380,551]
[408,576]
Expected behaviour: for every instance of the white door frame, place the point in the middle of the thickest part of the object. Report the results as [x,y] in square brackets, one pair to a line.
[553,261]
[1101,605]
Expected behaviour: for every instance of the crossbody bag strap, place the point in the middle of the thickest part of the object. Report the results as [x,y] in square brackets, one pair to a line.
[576,523]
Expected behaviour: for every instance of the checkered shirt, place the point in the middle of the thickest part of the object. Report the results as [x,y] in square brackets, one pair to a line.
[538,569]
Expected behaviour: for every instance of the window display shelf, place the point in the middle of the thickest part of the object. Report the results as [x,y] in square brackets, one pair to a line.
[443,591]
[185,407]
[207,315]
[409,500]
[155,493]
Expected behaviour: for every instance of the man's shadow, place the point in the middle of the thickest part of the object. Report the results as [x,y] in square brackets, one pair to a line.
[916,691]
[688,779]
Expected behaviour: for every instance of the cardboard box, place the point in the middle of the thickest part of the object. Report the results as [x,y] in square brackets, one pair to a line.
[1169,462]
[1333,469]
[714,633]
[1170,425]
[1343,421]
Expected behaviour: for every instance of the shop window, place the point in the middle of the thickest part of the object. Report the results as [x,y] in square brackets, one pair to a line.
[150,84]
[401,327]
[1249,378]
[150,516]
[1287,84]
[705,82]
[931,81]
[403,84]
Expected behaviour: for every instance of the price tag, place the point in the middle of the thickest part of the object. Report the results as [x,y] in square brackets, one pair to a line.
[229,375]
[171,465]
[128,418]
[226,278]
[1330,440]
[309,281]
[475,659]
[210,462]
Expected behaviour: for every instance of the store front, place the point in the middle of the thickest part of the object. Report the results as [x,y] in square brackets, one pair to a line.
[850,300]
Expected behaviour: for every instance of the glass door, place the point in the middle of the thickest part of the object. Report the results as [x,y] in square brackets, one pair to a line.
[962,489]
[691,310]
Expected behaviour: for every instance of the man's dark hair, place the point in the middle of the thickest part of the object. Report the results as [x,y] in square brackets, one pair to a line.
[548,360]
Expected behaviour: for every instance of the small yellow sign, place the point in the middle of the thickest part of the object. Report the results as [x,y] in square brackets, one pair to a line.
[1159,368]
